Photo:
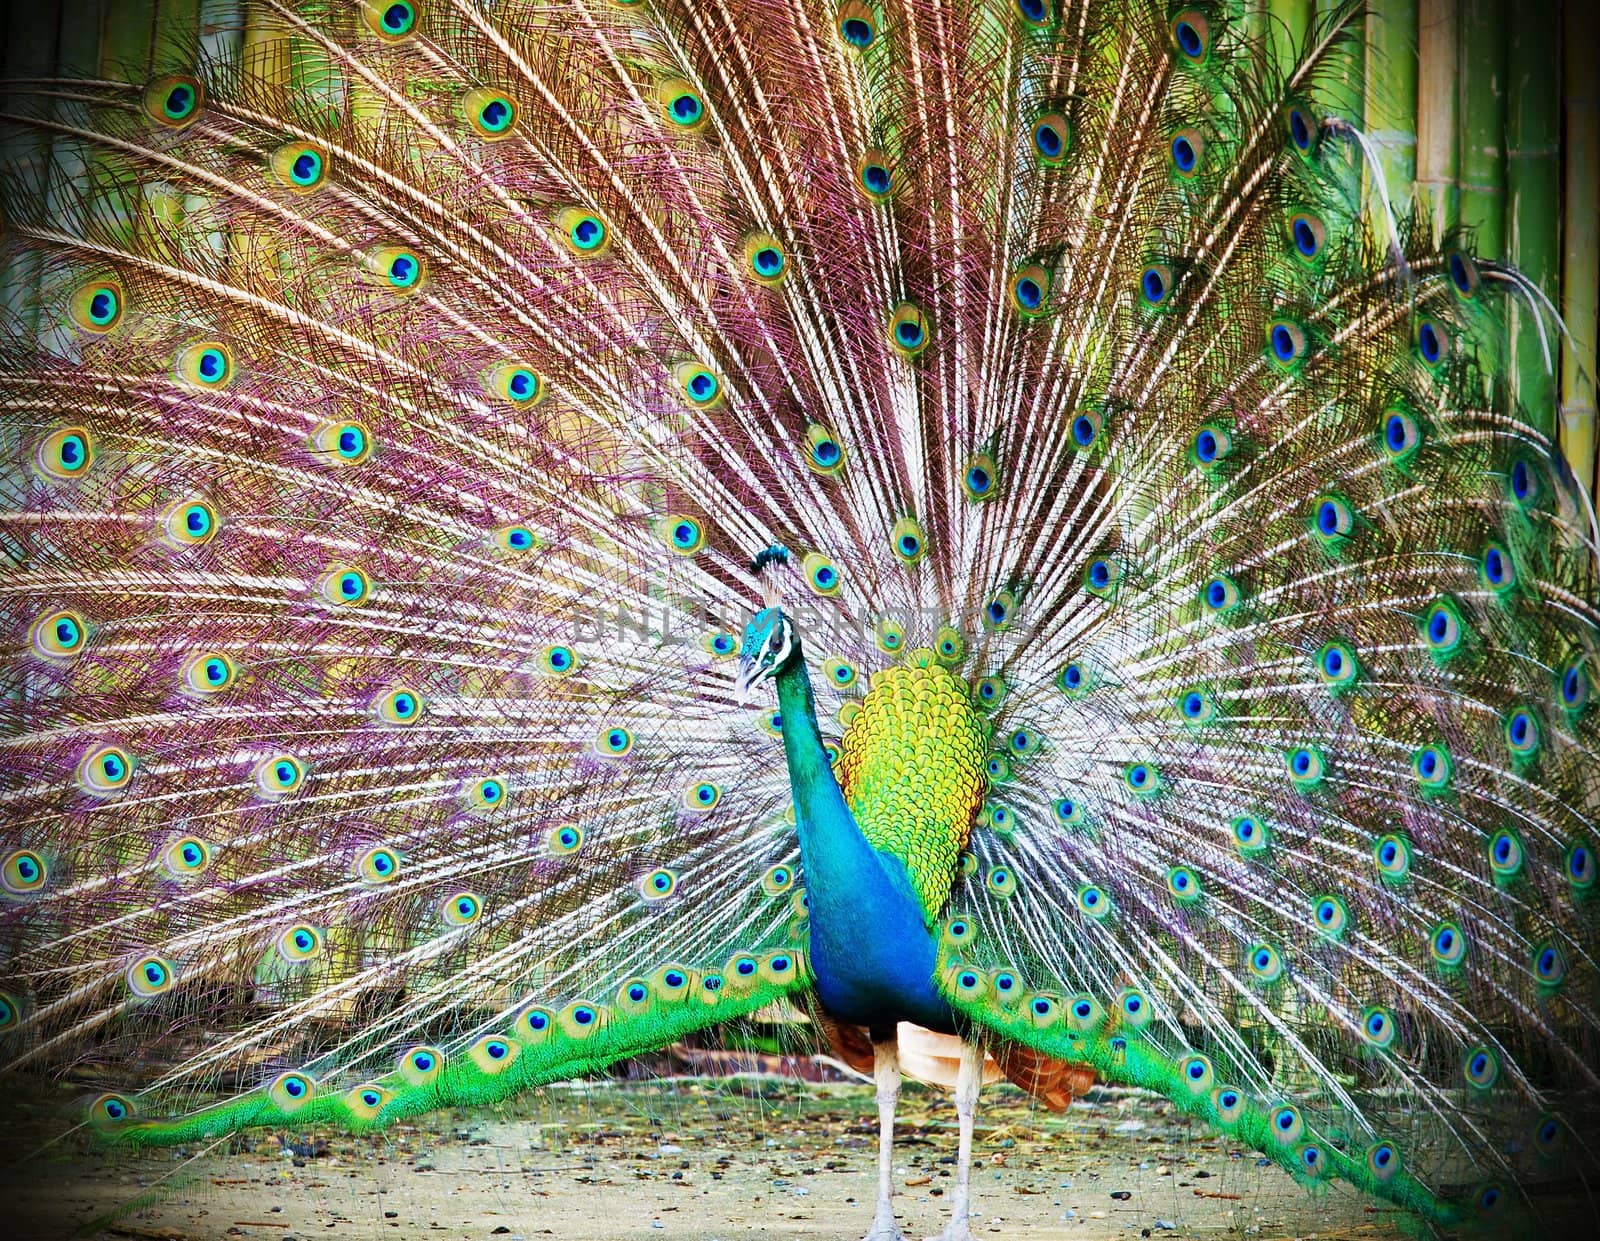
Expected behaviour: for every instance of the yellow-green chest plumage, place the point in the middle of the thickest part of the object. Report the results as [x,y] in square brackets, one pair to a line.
[912,770]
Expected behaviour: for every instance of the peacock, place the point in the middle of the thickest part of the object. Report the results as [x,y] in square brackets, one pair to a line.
[538,529]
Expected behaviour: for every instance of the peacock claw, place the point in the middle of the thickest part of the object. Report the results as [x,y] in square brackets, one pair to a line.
[954,1231]
[882,1231]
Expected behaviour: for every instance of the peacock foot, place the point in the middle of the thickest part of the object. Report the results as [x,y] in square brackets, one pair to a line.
[955,1230]
[884,1228]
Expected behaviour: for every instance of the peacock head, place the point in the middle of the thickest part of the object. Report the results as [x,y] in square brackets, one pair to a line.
[770,640]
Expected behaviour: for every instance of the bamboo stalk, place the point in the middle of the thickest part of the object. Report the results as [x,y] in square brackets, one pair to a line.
[29,51]
[1343,94]
[1580,257]
[1483,121]
[1287,24]
[1533,197]
[1391,106]
[1437,165]
[177,36]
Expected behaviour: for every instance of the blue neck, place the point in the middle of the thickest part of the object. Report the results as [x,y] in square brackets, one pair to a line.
[871,949]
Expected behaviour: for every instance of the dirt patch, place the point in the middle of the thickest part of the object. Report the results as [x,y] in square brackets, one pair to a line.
[694,1159]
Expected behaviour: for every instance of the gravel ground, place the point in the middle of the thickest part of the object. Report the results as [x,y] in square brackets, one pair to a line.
[692,1159]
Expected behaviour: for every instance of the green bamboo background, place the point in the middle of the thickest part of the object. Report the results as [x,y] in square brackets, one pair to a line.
[1487,110]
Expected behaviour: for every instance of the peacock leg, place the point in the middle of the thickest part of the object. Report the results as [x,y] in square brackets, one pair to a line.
[969,1078]
[886,1073]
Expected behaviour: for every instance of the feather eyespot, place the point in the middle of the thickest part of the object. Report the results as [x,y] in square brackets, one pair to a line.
[390,20]
[344,586]
[1135,1009]
[487,795]
[59,635]
[289,1092]
[493,1054]
[702,797]
[613,742]
[907,541]
[1156,284]
[682,105]
[342,442]
[909,331]
[377,866]
[366,1101]
[584,233]
[396,269]
[558,660]
[420,1066]
[1580,867]
[1481,1068]
[186,857]
[1212,444]
[1196,1073]
[1378,1027]
[1286,1125]
[980,478]
[1433,343]
[1287,342]
[1383,1161]
[700,387]
[207,365]
[151,976]
[857,25]
[97,307]
[1448,944]
[1230,1104]
[1040,14]
[989,691]
[174,101]
[460,909]
[1052,139]
[1391,854]
[821,574]
[1191,34]
[1522,734]
[491,114]
[1069,811]
[300,167]
[515,383]
[823,453]
[23,872]
[1030,290]
[299,943]
[106,769]
[1250,835]
[399,706]
[1183,884]
[110,1110]
[1505,854]
[1463,274]
[1187,150]
[765,259]
[1549,965]
[875,175]
[66,454]
[1265,963]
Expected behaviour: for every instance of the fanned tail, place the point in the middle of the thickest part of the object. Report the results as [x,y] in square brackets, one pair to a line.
[394,435]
